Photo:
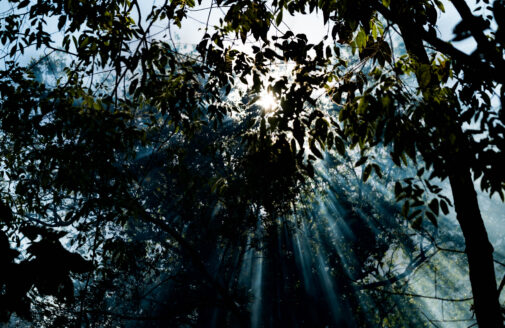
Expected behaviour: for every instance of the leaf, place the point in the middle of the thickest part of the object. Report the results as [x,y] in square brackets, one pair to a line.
[374,31]
[61,21]
[424,75]
[416,224]
[444,207]
[395,158]
[243,35]
[377,170]
[433,205]
[310,170]
[84,42]
[287,35]
[404,159]
[13,50]
[133,86]
[361,161]
[440,5]
[339,145]
[432,218]
[328,52]
[362,105]
[278,19]
[330,140]
[314,149]
[406,208]
[23,4]
[361,39]
[398,188]
[366,173]
[217,186]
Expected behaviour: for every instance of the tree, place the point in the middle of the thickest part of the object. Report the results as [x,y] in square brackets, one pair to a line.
[48,135]
[445,145]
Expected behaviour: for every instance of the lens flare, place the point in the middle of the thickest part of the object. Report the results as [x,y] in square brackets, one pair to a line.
[267,101]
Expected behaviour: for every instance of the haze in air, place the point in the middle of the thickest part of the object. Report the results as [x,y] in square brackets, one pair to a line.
[286,163]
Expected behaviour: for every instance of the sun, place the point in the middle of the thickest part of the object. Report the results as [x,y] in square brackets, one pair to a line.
[267,101]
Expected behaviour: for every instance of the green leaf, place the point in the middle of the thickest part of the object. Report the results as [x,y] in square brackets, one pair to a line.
[374,31]
[361,39]
[84,42]
[362,105]
[424,75]
[440,5]
[278,19]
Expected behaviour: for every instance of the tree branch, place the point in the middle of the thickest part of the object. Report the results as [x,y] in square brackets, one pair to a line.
[420,259]
[445,299]
[445,47]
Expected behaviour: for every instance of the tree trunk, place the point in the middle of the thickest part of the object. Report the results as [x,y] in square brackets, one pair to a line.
[479,250]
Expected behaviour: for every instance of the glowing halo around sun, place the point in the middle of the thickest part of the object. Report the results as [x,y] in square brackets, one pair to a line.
[267,101]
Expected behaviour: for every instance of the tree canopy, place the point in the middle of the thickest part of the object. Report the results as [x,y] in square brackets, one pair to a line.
[142,182]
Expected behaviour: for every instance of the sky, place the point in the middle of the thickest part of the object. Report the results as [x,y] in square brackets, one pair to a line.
[193,28]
